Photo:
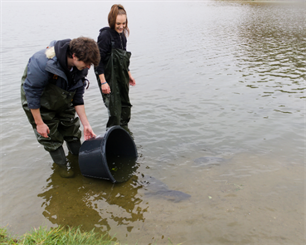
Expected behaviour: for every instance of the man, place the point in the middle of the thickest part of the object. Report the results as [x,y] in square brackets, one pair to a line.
[52,91]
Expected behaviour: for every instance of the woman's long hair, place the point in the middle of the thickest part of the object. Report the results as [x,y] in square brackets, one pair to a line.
[117,9]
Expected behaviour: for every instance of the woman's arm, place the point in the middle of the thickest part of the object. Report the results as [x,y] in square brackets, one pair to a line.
[132,80]
[104,44]
[104,85]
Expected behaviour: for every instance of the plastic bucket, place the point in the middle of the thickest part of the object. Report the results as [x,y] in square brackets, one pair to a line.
[111,156]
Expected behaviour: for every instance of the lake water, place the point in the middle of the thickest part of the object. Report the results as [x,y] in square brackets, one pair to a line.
[218,113]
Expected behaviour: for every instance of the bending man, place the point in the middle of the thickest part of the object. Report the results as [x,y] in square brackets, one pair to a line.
[52,91]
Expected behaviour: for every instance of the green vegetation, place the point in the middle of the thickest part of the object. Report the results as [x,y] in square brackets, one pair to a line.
[56,236]
[59,236]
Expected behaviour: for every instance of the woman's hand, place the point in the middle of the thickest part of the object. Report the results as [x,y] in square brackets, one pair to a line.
[104,85]
[105,88]
[131,80]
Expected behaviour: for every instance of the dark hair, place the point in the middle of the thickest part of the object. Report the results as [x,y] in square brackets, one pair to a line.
[85,49]
[117,9]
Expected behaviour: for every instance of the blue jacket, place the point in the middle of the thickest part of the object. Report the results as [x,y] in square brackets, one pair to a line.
[43,70]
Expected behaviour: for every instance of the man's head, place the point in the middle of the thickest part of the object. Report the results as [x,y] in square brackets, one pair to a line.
[84,52]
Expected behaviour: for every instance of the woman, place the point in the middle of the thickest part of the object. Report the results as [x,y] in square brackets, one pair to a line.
[113,73]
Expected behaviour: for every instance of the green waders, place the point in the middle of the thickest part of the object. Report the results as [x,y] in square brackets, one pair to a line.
[116,74]
[58,114]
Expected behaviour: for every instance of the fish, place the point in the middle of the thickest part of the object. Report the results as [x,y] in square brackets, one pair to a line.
[156,188]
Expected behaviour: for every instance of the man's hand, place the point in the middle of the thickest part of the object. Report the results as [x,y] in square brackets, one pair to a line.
[43,130]
[88,133]
[41,127]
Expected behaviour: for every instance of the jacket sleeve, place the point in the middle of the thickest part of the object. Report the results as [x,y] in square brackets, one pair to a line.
[104,44]
[78,96]
[36,80]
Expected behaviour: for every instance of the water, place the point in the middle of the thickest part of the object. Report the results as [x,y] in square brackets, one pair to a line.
[214,79]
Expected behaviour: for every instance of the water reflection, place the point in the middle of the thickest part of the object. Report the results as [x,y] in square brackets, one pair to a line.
[91,203]
[272,48]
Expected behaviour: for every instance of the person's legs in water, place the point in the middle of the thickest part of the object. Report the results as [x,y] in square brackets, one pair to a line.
[125,115]
[73,145]
[63,127]
[113,104]
[58,157]
[126,105]
[53,144]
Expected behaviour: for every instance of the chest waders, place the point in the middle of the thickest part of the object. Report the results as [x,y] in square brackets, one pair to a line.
[58,114]
[117,76]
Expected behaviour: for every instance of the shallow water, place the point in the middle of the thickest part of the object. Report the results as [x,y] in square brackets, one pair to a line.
[215,80]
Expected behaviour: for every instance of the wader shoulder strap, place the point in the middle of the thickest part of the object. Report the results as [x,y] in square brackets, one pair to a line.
[112,39]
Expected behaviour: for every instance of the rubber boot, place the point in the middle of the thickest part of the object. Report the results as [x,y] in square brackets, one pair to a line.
[59,158]
[74,146]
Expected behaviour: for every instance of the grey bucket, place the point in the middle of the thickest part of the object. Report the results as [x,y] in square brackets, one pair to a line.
[111,156]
